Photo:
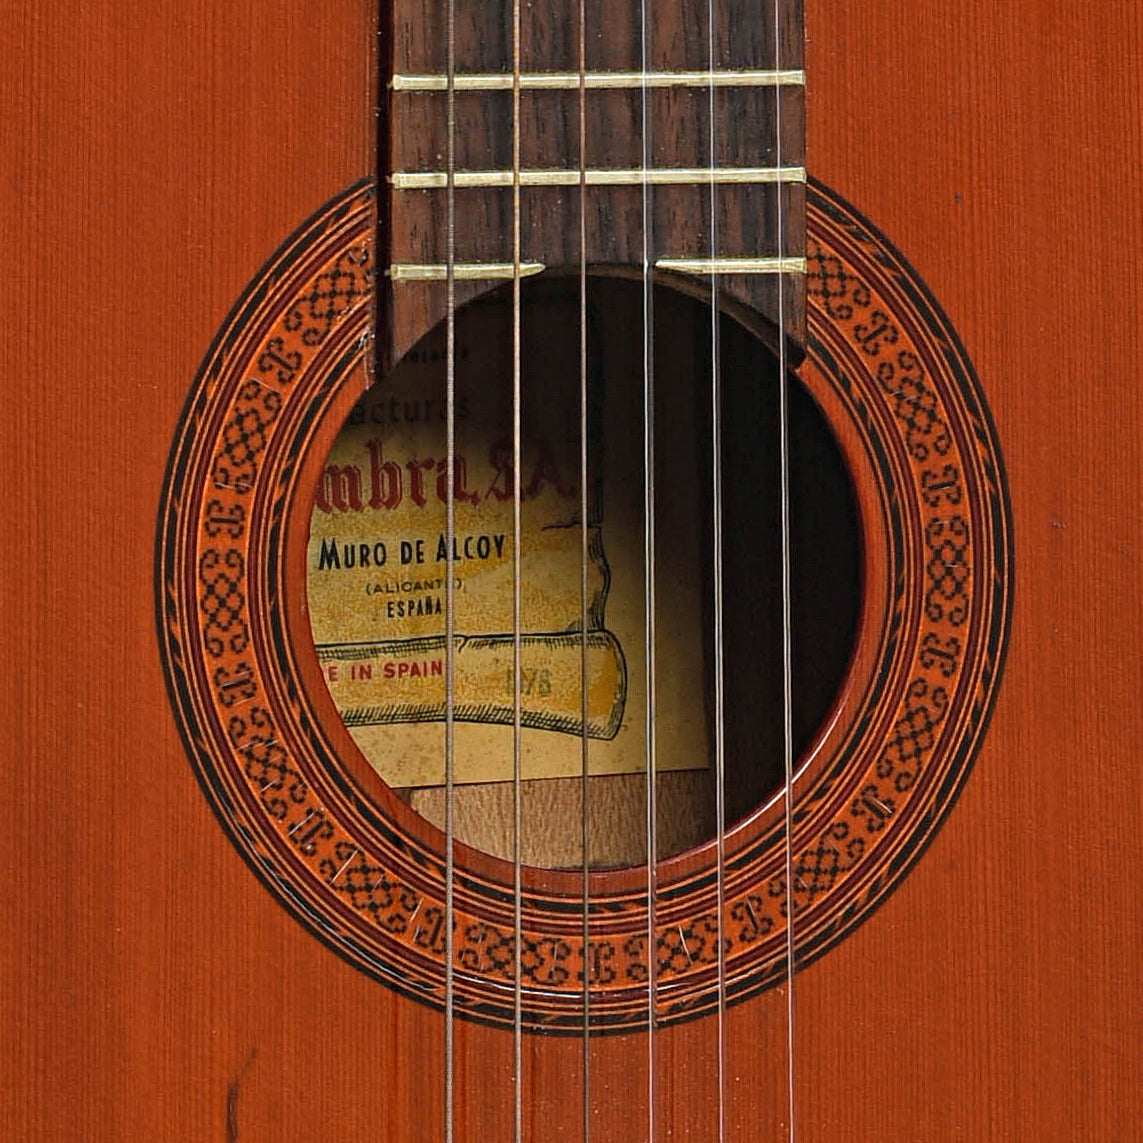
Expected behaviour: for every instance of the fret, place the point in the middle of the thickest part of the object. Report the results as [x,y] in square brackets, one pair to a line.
[708,266]
[462,271]
[606,81]
[568,177]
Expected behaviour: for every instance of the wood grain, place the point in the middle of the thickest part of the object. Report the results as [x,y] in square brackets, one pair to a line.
[993,997]
[151,988]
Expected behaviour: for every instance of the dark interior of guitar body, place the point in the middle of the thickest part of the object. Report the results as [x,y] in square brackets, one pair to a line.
[825,561]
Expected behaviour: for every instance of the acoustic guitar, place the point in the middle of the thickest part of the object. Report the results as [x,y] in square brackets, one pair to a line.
[563,580]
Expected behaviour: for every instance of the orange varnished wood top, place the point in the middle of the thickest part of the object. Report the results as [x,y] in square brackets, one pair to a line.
[994,996]
[152,988]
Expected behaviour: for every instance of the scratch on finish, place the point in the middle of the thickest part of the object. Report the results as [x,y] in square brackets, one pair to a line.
[232,1090]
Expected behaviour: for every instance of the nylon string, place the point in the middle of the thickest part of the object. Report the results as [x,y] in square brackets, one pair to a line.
[450,535]
[517,469]
[787,653]
[649,565]
[583,558]
[716,535]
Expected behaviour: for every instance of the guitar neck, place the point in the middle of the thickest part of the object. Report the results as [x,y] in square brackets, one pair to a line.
[588,134]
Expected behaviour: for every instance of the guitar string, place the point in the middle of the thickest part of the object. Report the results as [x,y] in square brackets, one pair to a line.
[517,468]
[787,643]
[649,566]
[649,586]
[450,539]
[583,556]
[716,558]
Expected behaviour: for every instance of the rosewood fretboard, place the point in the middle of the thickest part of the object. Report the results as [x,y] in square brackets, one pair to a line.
[586,103]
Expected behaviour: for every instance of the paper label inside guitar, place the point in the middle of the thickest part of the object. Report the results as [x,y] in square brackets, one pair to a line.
[379,542]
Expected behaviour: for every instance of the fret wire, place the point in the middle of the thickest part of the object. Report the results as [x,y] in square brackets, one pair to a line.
[461,271]
[789,264]
[596,81]
[599,176]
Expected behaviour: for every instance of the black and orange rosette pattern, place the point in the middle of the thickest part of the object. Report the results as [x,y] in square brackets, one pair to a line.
[373,890]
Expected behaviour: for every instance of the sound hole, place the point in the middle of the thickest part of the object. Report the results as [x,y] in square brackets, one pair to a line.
[377,574]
